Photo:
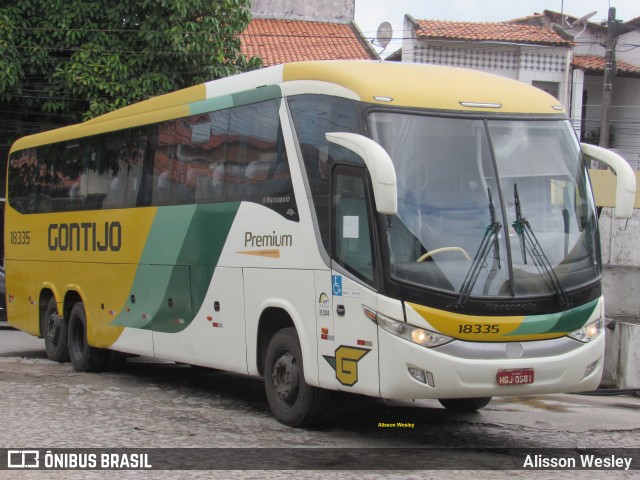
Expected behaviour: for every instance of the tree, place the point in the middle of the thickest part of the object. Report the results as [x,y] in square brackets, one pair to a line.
[62,61]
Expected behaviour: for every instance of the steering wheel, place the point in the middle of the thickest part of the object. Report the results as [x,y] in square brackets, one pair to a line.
[442,250]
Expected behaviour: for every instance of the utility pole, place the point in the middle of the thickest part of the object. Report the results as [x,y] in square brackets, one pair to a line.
[609,72]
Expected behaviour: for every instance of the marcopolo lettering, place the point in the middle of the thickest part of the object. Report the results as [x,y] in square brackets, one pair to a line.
[85,237]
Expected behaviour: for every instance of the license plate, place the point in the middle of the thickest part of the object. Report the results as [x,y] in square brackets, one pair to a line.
[521,376]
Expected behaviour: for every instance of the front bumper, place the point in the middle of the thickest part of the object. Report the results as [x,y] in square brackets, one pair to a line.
[459,377]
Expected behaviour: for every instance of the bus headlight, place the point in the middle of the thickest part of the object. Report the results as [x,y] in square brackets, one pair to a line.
[419,336]
[590,331]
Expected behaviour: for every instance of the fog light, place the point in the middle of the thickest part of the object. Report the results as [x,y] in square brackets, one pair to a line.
[418,375]
[421,376]
[590,369]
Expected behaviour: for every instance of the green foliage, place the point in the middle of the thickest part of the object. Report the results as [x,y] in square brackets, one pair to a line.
[77,59]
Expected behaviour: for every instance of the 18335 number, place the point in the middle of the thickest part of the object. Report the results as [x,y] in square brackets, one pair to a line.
[479,328]
[20,237]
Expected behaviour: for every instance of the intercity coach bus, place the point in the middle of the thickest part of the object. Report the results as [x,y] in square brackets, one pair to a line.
[393,230]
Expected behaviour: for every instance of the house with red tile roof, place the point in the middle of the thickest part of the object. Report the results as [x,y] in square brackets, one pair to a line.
[587,78]
[285,31]
[549,50]
[529,53]
[278,41]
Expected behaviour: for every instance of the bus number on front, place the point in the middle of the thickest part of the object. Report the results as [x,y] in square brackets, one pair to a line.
[479,328]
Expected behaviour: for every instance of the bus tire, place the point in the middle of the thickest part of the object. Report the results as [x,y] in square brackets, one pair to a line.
[292,401]
[54,331]
[84,357]
[465,404]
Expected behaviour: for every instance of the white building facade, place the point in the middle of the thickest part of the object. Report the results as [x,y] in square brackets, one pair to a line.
[530,54]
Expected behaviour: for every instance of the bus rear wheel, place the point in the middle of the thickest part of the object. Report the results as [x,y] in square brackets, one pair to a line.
[84,357]
[54,331]
[292,401]
[465,404]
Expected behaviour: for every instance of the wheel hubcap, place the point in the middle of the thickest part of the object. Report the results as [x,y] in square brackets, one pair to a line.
[286,378]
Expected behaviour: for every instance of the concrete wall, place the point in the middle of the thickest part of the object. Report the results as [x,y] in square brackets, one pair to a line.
[336,11]
[622,356]
[620,241]
[621,282]
[620,288]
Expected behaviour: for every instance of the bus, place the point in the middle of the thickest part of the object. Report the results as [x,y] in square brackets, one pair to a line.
[392,230]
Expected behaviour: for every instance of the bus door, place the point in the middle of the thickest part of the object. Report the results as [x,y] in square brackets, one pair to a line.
[353,282]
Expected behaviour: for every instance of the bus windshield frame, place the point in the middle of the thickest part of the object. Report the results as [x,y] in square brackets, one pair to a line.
[464,231]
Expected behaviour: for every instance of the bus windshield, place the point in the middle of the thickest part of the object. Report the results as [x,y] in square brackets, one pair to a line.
[489,207]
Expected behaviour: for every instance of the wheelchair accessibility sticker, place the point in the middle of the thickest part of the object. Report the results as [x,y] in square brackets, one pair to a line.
[336,285]
[338,291]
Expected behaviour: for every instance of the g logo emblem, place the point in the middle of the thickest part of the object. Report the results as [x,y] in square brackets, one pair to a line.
[345,363]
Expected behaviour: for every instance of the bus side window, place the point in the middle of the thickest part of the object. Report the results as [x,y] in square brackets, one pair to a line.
[119,164]
[251,150]
[314,116]
[351,222]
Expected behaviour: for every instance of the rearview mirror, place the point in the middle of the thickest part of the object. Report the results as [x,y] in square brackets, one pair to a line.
[625,178]
[379,164]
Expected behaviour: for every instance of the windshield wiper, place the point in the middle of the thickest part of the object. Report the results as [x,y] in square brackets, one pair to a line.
[530,244]
[490,238]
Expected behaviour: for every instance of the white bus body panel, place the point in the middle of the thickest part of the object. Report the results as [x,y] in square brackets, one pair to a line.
[218,337]
[292,291]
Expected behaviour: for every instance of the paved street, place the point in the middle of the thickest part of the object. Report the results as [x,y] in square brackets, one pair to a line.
[150,404]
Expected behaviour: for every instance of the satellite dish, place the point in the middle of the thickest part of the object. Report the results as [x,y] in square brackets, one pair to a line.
[384,34]
[583,19]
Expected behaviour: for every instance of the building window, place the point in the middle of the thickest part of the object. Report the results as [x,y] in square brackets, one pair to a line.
[552,88]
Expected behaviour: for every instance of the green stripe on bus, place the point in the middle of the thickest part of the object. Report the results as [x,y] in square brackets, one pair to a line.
[268,92]
[260,94]
[176,267]
[563,322]
[211,105]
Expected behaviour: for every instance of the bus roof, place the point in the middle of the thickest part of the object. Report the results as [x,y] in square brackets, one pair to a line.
[428,86]
[386,83]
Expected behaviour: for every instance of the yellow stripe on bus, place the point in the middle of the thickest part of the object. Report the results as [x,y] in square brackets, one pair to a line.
[478,328]
[101,269]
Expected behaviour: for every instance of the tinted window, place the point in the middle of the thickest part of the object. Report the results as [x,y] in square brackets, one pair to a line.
[313,117]
[229,155]
[351,227]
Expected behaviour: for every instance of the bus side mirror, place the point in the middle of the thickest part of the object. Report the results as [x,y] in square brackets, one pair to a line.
[625,178]
[379,164]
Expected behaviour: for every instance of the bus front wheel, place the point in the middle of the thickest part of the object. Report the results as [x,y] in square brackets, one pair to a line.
[84,357]
[465,404]
[54,331]
[292,401]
